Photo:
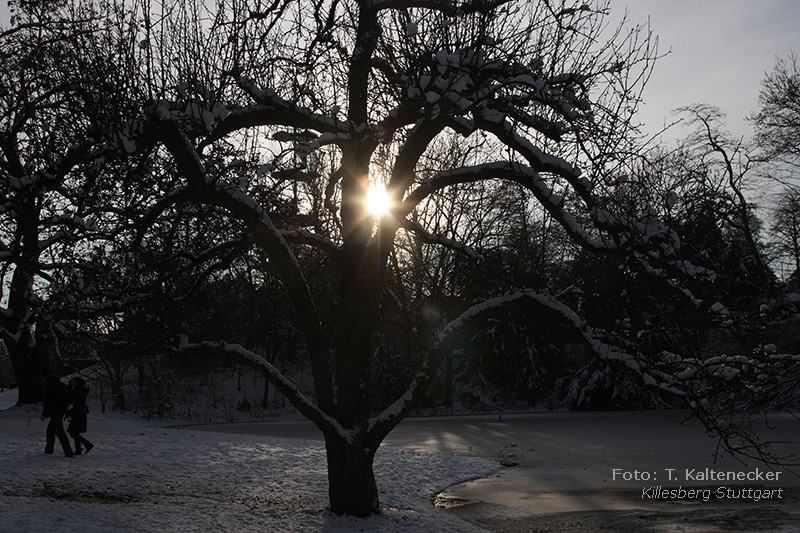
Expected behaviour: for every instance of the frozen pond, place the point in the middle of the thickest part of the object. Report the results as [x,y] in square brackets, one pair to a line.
[606,471]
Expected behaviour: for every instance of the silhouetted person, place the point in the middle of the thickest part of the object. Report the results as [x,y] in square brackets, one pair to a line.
[56,400]
[77,413]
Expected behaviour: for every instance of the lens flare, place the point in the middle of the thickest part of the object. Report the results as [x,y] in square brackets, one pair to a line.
[378,202]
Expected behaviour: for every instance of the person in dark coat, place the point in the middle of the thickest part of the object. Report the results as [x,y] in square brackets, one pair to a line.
[56,401]
[77,422]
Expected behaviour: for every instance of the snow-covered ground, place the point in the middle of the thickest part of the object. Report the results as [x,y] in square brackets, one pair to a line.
[145,477]
[558,475]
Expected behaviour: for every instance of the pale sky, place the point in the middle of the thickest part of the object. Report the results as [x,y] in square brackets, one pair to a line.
[720,51]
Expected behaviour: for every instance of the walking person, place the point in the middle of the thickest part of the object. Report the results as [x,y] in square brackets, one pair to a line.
[77,423]
[56,400]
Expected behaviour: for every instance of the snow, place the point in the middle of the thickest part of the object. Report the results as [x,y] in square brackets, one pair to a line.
[220,111]
[431,97]
[144,477]
[672,199]
[718,307]
[208,120]
[263,169]
[770,348]
[543,300]
[425,81]
[128,145]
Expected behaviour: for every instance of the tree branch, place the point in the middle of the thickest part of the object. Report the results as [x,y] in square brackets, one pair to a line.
[269,238]
[321,419]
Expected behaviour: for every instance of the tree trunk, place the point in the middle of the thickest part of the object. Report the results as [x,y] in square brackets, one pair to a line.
[351,481]
[448,380]
[28,363]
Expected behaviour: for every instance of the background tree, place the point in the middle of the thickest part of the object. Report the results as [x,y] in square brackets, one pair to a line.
[778,121]
[786,234]
[45,177]
[727,163]
[778,137]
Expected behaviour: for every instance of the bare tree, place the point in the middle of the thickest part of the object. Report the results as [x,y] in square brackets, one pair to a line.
[778,121]
[727,161]
[778,136]
[786,230]
[369,87]
[257,131]
[46,177]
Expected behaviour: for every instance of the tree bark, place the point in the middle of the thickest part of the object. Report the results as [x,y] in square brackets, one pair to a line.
[28,362]
[351,481]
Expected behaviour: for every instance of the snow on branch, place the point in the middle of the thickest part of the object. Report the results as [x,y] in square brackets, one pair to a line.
[170,199]
[495,305]
[310,238]
[265,234]
[446,7]
[380,426]
[686,268]
[539,160]
[521,174]
[287,387]
[203,117]
[621,231]
[603,351]
[721,391]
[727,393]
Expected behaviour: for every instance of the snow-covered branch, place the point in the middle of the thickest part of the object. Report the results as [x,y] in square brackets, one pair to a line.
[526,176]
[565,316]
[285,115]
[447,7]
[268,237]
[311,411]
[381,425]
[299,236]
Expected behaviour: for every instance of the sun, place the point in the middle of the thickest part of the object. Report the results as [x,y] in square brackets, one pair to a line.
[378,202]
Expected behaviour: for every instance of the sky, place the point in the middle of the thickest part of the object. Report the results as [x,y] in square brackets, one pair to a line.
[719,52]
